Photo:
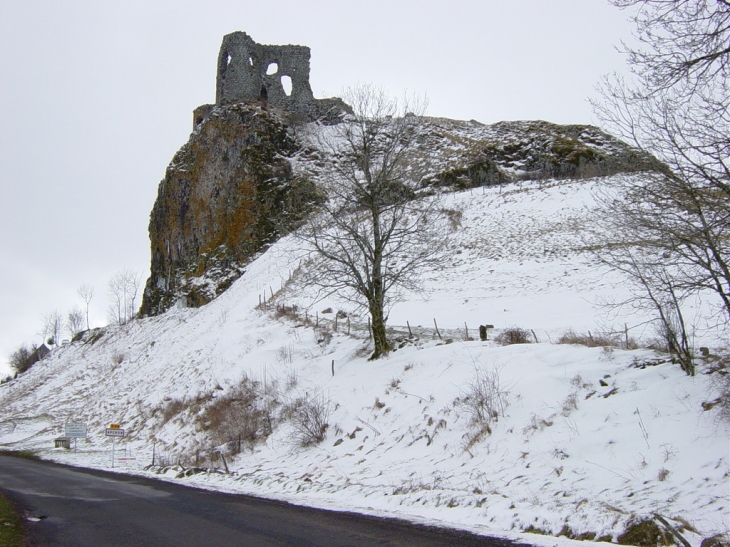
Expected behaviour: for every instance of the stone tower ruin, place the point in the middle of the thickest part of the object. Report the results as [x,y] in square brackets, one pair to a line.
[275,75]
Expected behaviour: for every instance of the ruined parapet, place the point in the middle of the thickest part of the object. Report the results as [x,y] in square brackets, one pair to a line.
[247,70]
[275,75]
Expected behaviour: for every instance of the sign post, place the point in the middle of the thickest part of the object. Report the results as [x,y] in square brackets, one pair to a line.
[114,431]
[75,430]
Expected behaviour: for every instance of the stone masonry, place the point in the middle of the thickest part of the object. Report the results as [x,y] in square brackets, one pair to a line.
[275,75]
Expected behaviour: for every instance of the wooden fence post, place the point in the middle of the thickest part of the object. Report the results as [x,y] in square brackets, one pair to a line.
[437,329]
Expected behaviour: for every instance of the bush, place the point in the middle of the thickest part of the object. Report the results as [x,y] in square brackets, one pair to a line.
[310,419]
[513,335]
[22,359]
[239,418]
[644,533]
[172,408]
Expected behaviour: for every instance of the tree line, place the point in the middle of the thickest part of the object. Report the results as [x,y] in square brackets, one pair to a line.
[122,293]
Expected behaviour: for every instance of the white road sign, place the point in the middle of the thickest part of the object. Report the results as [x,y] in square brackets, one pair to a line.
[114,432]
[75,429]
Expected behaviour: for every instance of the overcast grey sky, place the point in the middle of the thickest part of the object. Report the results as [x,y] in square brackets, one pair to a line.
[96,97]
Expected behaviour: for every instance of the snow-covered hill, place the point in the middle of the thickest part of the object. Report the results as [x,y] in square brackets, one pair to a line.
[582,441]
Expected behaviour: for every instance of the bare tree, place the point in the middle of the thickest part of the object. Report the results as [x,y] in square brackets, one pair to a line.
[123,290]
[653,276]
[373,234]
[53,325]
[75,321]
[675,104]
[86,293]
[673,224]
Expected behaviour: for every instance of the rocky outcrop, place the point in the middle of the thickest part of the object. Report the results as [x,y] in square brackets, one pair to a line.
[471,154]
[228,193]
[232,189]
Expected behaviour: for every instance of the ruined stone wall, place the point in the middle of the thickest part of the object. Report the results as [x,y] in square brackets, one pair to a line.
[276,75]
[247,70]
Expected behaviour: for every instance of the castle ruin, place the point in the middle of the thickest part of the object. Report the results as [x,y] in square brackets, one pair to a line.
[275,75]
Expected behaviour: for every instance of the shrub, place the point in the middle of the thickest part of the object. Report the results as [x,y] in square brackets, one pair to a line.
[239,418]
[644,533]
[172,408]
[22,359]
[310,418]
[513,335]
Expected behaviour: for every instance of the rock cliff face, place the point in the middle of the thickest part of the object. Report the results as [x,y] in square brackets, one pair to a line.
[228,193]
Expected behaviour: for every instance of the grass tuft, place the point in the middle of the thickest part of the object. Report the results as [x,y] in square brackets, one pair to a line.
[26,454]
[12,529]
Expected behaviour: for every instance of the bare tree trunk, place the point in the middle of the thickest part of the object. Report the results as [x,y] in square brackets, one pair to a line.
[380,338]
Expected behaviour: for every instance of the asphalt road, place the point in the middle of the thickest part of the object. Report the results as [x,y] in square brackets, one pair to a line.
[86,508]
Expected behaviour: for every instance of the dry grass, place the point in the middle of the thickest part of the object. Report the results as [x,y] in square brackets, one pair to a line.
[289,312]
[172,408]
[484,401]
[513,335]
[598,340]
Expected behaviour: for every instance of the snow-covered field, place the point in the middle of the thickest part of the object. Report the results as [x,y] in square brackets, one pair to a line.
[586,439]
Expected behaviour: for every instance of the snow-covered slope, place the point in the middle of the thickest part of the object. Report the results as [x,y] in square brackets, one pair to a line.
[583,440]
